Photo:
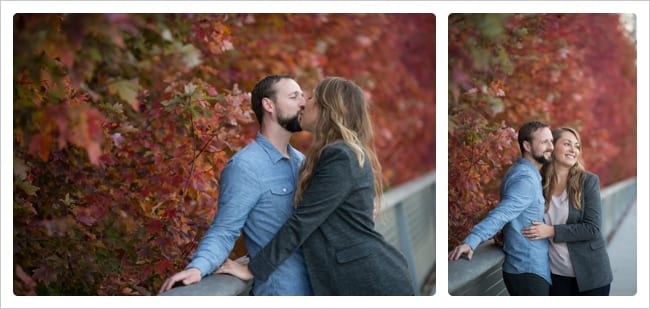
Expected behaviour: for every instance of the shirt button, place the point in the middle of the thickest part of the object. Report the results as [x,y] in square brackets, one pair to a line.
[284,190]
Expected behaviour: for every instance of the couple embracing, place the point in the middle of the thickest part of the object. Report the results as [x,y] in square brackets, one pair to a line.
[551,221]
[308,221]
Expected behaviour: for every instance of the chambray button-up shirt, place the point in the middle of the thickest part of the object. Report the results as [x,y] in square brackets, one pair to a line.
[256,194]
[522,202]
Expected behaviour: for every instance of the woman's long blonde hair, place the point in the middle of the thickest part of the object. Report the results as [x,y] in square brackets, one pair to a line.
[575,178]
[343,117]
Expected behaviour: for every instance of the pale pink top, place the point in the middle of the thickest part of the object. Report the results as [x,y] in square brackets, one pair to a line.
[560,260]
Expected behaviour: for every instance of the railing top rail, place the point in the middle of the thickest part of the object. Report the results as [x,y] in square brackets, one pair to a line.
[486,255]
[615,187]
[403,191]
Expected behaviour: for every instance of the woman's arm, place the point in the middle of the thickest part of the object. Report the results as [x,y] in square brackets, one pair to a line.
[329,186]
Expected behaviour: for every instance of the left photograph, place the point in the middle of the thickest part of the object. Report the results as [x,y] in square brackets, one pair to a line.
[224,154]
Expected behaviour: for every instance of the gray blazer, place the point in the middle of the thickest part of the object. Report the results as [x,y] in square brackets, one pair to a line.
[334,226]
[584,239]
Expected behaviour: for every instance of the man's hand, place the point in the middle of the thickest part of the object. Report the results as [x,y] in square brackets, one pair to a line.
[233,268]
[459,251]
[188,276]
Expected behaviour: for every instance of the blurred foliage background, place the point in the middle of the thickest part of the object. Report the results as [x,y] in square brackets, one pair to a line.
[576,70]
[123,123]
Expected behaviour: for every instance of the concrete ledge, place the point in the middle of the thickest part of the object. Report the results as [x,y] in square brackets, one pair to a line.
[480,276]
[213,285]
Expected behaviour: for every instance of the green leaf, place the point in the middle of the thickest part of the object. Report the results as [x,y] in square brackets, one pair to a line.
[166,35]
[191,55]
[127,90]
[491,26]
[189,89]
[94,54]
[20,168]
[27,187]
[496,105]
[68,200]
[521,32]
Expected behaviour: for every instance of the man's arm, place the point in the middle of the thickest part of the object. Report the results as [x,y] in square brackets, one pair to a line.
[516,197]
[238,194]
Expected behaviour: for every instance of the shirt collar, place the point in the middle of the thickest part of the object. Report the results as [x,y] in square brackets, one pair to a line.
[528,165]
[270,150]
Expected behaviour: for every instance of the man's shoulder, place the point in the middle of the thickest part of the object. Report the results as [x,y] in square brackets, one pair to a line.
[249,155]
[520,173]
[522,168]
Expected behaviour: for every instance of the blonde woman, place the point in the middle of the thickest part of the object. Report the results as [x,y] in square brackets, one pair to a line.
[577,251]
[333,222]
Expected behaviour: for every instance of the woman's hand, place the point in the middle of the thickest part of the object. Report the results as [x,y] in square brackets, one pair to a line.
[538,230]
[233,268]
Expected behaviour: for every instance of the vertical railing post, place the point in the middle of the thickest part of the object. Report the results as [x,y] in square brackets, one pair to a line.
[405,244]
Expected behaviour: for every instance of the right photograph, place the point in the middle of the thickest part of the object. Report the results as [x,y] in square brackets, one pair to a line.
[542,144]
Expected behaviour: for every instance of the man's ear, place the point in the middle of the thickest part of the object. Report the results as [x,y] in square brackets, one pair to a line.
[527,146]
[267,104]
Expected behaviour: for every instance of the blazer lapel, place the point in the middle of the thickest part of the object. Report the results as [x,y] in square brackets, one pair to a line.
[574,214]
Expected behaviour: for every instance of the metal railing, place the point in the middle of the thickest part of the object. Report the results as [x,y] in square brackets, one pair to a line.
[615,200]
[406,220]
[482,275]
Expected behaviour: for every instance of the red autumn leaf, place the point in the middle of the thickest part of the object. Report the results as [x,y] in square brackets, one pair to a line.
[154,227]
[539,70]
[84,215]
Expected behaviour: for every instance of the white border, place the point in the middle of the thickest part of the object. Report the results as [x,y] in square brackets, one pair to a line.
[441,9]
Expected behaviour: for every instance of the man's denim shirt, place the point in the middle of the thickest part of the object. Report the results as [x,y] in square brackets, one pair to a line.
[522,202]
[257,192]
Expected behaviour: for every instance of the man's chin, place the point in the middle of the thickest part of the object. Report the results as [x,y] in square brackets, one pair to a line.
[292,125]
[542,159]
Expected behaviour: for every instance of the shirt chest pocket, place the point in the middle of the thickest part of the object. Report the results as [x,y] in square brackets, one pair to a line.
[281,200]
[281,190]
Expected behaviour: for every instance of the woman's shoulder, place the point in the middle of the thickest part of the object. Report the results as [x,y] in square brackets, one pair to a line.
[591,176]
[337,147]
[591,179]
[338,150]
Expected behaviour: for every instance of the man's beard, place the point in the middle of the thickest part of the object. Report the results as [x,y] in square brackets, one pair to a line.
[541,159]
[290,124]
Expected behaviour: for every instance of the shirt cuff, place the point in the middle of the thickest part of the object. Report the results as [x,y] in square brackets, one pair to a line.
[473,241]
[202,264]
